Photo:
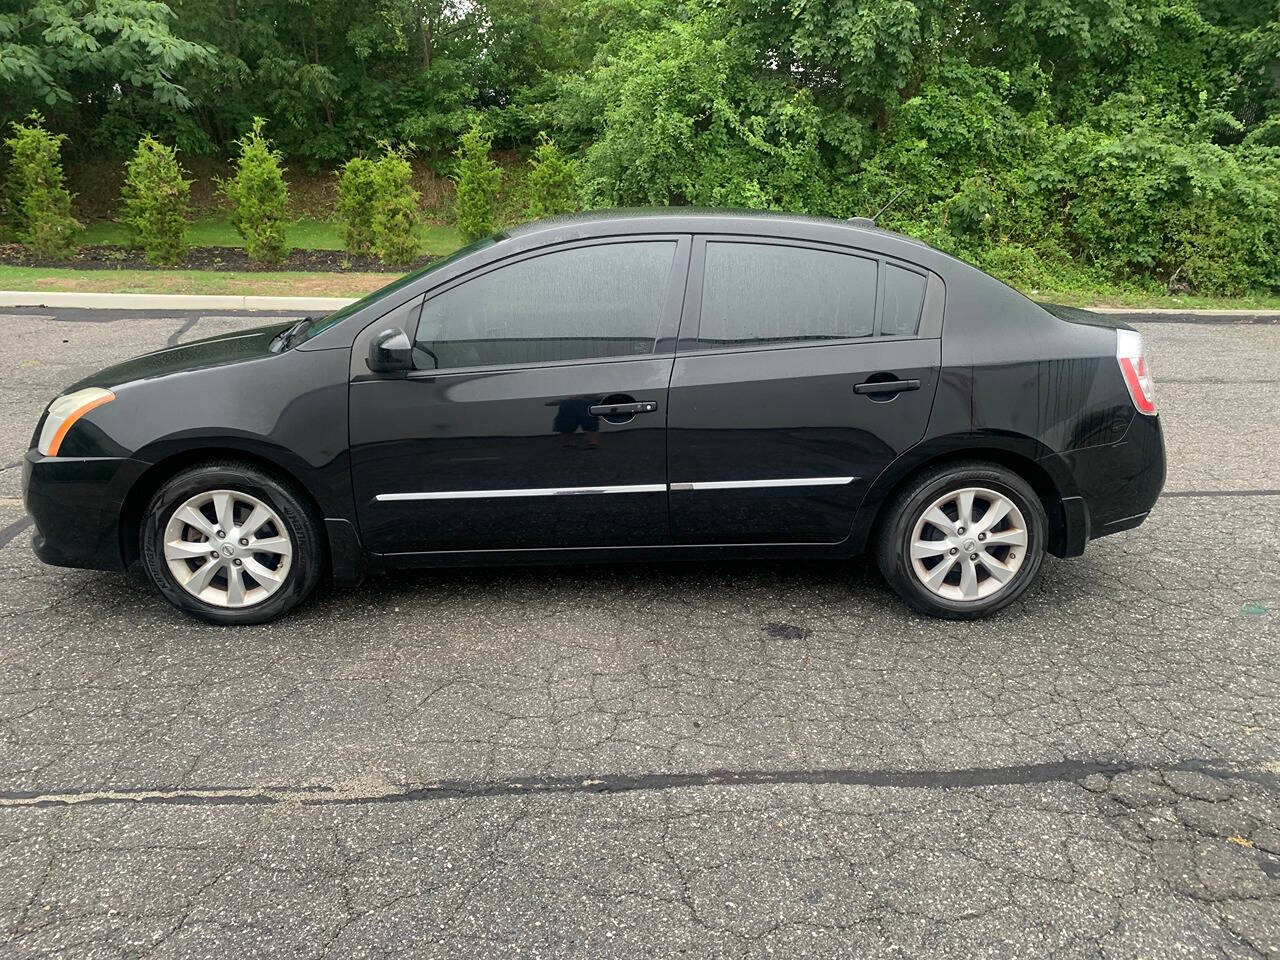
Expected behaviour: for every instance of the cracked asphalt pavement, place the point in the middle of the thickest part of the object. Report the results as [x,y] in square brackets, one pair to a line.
[713,759]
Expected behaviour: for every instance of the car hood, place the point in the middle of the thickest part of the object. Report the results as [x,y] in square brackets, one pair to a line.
[210,352]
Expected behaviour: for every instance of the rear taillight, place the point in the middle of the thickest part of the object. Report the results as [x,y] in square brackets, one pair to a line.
[1133,367]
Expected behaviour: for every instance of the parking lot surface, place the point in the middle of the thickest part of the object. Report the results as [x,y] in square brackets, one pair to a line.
[711,759]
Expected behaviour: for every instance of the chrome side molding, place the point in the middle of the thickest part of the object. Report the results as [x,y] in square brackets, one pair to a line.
[625,488]
[749,484]
[522,492]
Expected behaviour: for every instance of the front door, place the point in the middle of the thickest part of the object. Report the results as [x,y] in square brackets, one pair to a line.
[536,415]
[777,426]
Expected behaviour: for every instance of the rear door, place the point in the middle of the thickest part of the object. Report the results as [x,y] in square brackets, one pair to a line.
[802,371]
[536,415]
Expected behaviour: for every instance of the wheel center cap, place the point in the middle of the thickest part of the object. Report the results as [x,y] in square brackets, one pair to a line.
[227,550]
[969,545]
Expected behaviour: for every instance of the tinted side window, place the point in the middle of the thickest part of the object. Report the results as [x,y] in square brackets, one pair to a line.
[578,304]
[755,293]
[903,300]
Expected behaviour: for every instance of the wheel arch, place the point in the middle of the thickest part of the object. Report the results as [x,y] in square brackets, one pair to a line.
[140,494]
[1024,456]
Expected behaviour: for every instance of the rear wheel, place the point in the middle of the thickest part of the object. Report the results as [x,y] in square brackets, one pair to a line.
[963,540]
[231,544]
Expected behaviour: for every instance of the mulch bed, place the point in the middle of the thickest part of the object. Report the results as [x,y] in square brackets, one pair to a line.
[110,257]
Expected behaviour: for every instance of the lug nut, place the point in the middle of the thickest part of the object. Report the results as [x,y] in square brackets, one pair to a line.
[959,530]
[244,541]
[954,551]
[237,561]
[214,554]
[981,536]
[973,556]
[220,534]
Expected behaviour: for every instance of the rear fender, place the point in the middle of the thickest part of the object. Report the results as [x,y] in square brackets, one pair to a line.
[1037,464]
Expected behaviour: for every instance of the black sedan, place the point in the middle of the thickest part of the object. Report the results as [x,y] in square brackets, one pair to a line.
[616,387]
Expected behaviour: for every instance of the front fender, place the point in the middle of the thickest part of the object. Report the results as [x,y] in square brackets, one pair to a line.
[289,410]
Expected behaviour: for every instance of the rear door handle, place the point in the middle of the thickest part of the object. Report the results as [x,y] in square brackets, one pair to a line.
[886,386]
[622,409]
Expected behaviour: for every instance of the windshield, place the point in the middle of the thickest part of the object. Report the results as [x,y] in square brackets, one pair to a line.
[324,323]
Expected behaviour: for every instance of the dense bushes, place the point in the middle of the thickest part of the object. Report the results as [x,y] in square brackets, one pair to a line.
[1119,200]
[259,196]
[155,206]
[1193,215]
[682,115]
[39,204]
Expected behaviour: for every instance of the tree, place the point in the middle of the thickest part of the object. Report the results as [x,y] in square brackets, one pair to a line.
[396,216]
[259,196]
[154,202]
[684,114]
[552,185]
[476,180]
[1114,139]
[92,52]
[357,201]
[39,201]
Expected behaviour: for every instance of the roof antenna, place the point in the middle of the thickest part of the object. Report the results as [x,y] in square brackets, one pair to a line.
[870,221]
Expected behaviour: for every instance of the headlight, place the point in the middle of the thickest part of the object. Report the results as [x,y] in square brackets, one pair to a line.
[64,412]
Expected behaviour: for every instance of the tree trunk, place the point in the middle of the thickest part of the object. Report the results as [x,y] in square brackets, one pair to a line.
[424,33]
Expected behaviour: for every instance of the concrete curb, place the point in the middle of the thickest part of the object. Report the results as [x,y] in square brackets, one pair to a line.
[162,301]
[1185,312]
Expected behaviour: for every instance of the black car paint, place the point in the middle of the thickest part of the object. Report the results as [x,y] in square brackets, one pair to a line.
[1006,380]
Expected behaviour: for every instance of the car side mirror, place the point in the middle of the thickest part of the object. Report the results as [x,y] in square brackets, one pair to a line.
[390,352]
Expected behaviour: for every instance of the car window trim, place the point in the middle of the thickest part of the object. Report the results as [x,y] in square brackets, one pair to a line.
[687,343]
[495,368]
[882,284]
[933,310]
[665,332]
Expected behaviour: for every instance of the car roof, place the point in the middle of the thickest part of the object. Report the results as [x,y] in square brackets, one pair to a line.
[705,220]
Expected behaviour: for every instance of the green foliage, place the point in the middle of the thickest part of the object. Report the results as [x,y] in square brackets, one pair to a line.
[39,202]
[1129,140]
[259,196]
[378,206]
[155,203]
[357,199]
[56,52]
[681,114]
[396,217]
[552,184]
[476,180]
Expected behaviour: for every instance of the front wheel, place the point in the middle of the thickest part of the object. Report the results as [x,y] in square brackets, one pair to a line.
[231,544]
[963,540]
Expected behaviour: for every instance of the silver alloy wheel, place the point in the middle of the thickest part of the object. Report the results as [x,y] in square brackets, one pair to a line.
[227,548]
[968,544]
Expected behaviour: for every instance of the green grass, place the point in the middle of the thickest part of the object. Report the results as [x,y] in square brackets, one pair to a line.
[281,283]
[1137,298]
[305,234]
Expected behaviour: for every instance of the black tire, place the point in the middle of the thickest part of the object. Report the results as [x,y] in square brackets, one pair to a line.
[298,517]
[893,549]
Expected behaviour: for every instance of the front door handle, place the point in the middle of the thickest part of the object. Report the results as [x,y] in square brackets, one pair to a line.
[622,409]
[886,386]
